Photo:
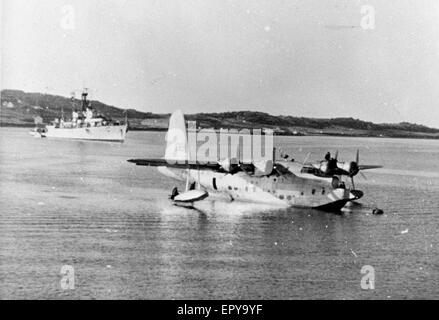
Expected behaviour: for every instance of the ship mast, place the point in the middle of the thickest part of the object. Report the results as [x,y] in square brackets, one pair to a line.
[72,99]
[84,99]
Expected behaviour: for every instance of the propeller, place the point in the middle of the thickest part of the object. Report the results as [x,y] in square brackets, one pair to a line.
[355,169]
[354,166]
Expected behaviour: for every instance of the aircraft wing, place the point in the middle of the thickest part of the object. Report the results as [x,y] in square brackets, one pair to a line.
[248,168]
[367,167]
[175,164]
[309,164]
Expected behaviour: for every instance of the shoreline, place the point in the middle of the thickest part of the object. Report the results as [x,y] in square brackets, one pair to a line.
[420,136]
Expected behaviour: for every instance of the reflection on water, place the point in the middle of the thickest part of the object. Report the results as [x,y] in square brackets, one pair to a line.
[81,204]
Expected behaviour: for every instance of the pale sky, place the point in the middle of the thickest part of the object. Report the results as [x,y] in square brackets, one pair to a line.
[301,58]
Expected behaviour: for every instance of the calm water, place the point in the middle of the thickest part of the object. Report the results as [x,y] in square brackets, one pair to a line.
[81,204]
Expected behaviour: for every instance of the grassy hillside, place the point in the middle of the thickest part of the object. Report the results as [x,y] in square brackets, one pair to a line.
[19,108]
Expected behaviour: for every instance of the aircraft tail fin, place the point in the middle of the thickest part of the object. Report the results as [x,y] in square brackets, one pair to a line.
[176,139]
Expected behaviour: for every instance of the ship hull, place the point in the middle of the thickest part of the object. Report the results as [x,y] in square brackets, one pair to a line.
[103,133]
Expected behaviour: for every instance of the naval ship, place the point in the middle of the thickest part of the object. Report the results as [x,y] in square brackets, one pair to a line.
[84,125]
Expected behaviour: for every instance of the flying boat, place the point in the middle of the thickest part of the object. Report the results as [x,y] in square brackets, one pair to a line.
[282,182]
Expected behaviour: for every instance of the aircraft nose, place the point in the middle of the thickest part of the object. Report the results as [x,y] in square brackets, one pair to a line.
[357,194]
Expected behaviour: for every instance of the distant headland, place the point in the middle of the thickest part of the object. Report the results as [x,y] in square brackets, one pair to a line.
[19,108]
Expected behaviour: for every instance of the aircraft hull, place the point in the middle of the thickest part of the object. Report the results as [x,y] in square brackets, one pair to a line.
[287,190]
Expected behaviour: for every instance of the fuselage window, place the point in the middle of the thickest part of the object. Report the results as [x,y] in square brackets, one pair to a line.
[281,197]
[313,191]
[288,197]
[301,193]
[236,188]
[214,184]
[323,191]
[230,188]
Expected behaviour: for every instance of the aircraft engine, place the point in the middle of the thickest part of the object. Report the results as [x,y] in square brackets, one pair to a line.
[229,164]
[328,167]
[263,168]
[349,167]
[353,169]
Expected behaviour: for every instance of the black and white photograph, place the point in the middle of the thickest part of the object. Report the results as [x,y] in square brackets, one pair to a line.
[207,150]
